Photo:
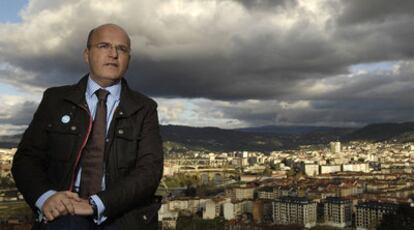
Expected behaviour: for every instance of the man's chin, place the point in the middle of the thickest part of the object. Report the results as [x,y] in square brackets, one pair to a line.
[111,77]
[107,79]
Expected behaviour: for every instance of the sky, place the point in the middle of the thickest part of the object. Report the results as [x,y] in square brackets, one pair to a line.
[223,63]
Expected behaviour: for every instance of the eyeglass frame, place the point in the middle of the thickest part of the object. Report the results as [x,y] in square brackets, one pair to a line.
[106,47]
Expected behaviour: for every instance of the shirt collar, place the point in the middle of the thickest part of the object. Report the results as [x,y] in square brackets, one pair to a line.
[114,90]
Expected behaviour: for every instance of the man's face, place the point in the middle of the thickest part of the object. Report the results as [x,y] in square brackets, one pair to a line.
[108,54]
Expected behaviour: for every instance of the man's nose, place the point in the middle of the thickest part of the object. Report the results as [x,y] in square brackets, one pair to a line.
[114,52]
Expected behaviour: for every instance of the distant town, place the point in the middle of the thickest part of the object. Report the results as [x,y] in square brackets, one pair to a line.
[354,185]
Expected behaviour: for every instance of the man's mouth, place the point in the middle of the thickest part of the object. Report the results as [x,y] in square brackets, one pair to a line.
[111,64]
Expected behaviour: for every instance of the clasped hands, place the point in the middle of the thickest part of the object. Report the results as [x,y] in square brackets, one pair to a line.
[65,203]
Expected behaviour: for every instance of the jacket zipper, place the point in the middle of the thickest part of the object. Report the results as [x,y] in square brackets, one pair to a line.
[81,148]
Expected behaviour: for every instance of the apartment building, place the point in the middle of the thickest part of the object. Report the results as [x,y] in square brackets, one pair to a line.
[337,212]
[294,210]
[369,214]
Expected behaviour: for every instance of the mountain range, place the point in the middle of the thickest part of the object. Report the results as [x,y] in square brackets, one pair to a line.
[266,138]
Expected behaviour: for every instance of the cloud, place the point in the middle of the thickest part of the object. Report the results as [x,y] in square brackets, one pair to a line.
[16,113]
[374,11]
[16,110]
[197,112]
[11,130]
[353,99]
[232,63]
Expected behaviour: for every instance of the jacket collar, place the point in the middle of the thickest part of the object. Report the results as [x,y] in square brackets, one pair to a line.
[129,102]
[77,93]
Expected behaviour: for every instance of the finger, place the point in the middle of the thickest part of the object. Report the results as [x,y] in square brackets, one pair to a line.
[55,213]
[60,207]
[49,215]
[48,210]
[52,214]
[62,210]
[68,206]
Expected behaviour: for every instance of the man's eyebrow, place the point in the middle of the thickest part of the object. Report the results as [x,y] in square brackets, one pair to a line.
[120,44]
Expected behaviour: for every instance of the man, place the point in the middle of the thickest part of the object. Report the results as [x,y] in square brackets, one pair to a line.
[92,156]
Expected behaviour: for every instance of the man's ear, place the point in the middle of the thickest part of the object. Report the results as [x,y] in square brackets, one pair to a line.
[86,55]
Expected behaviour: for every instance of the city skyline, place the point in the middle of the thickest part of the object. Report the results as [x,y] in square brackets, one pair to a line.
[223,63]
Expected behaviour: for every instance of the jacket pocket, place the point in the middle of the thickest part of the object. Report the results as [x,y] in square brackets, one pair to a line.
[126,144]
[61,141]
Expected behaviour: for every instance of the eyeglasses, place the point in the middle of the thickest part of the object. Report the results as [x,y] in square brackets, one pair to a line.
[106,47]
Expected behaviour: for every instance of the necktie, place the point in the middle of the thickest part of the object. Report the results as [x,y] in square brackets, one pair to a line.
[92,161]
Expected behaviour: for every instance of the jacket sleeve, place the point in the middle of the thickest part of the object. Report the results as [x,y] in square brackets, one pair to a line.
[30,162]
[141,183]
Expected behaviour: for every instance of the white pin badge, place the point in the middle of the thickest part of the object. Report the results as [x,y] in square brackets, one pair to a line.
[65,119]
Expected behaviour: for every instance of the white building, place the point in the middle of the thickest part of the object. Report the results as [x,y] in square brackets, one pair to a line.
[214,208]
[311,169]
[294,210]
[267,193]
[359,167]
[165,213]
[6,155]
[240,193]
[191,205]
[335,147]
[369,214]
[233,209]
[330,168]
[337,212]
[170,169]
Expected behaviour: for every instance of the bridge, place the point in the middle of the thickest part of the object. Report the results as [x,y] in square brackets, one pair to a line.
[206,174]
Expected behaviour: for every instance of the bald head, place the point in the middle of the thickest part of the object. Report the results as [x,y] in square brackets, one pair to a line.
[96,30]
[107,54]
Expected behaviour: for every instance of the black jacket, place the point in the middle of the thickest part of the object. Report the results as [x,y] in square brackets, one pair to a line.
[49,153]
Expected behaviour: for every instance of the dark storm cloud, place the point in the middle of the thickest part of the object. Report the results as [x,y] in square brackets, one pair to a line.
[374,11]
[294,57]
[258,65]
[387,41]
[194,79]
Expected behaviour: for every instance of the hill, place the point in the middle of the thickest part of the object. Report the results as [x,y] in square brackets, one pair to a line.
[400,132]
[266,138]
[216,139]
